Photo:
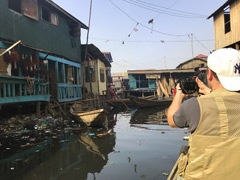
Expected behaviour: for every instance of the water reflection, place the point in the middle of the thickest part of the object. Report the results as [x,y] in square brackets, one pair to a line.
[73,155]
[155,115]
[135,145]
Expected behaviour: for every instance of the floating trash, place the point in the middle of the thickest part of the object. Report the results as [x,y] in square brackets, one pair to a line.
[165,174]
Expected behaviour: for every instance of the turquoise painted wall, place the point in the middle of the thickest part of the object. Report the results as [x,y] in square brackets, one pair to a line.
[39,33]
[152,83]
[132,82]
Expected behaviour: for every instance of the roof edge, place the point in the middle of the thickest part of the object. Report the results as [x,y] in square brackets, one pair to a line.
[66,13]
[220,9]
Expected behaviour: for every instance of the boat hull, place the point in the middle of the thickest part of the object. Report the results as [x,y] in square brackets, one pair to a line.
[92,118]
[120,103]
[146,102]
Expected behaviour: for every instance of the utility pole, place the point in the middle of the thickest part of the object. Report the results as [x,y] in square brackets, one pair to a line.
[192,44]
[86,51]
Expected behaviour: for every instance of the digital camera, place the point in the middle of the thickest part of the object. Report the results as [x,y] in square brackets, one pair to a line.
[189,85]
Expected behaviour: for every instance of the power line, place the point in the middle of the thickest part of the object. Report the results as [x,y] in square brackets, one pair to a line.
[149,41]
[152,30]
[201,43]
[167,11]
[175,12]
[167,8]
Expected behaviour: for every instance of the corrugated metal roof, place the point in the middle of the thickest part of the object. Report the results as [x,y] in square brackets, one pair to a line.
[95,53]
[66,13]
[201,56]
[196,58]
[108,56]
[159,71]
[229,2]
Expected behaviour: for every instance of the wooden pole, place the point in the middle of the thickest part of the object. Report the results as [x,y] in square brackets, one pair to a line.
[8,49]
[162,88]
[86,57]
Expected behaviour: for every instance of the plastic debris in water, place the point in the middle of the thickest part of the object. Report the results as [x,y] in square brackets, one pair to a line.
[100,135]
[165,174]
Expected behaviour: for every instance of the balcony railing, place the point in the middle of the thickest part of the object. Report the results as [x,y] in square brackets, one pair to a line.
[69,92]
[15,89]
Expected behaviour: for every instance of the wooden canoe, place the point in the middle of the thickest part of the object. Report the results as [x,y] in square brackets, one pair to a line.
[150,102]
[92,118]
[120,103]
[173,173]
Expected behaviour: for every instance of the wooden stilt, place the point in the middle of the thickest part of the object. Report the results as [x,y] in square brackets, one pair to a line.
[38,107]
[65,108]
[46,109]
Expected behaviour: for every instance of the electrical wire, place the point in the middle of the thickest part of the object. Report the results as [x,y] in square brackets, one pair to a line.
[202,44]
[164,10]
[152,30]
[167,8]
[148,41]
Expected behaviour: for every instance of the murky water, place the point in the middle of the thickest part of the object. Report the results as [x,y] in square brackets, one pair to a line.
[137,144]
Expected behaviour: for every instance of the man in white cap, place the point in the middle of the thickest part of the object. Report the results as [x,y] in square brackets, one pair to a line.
[213,120]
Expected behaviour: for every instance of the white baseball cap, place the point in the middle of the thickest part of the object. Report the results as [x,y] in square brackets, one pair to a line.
[225,63]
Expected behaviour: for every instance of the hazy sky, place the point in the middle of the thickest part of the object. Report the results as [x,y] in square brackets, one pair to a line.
[122,27]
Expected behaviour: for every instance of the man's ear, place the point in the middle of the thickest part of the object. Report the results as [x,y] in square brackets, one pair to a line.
[210,74]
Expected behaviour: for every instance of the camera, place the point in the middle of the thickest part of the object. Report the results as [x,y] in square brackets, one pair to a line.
[189,85]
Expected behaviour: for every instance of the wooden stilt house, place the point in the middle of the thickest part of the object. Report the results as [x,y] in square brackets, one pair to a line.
[40,52]
[162,82]
[95,69]
[226,20]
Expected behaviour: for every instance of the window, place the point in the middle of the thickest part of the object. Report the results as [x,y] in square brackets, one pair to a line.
[74,30]
[227,19]
[26,7]
[49,16]
[30,8]
[102,79]
[15,5]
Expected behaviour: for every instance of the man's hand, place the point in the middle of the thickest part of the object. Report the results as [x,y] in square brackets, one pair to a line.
[179,91]
[203,89]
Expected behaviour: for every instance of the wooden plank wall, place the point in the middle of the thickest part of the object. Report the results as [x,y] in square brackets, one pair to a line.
[3,65]
[222,39]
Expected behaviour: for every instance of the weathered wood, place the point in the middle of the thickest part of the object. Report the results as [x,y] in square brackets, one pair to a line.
[162,88]
[159,93]
[148,102]
[92,118]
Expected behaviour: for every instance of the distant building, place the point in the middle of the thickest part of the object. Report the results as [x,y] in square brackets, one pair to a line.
[227,25]
[118,79]
[94,70]
[198,61]
[146,82]
[108,56]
